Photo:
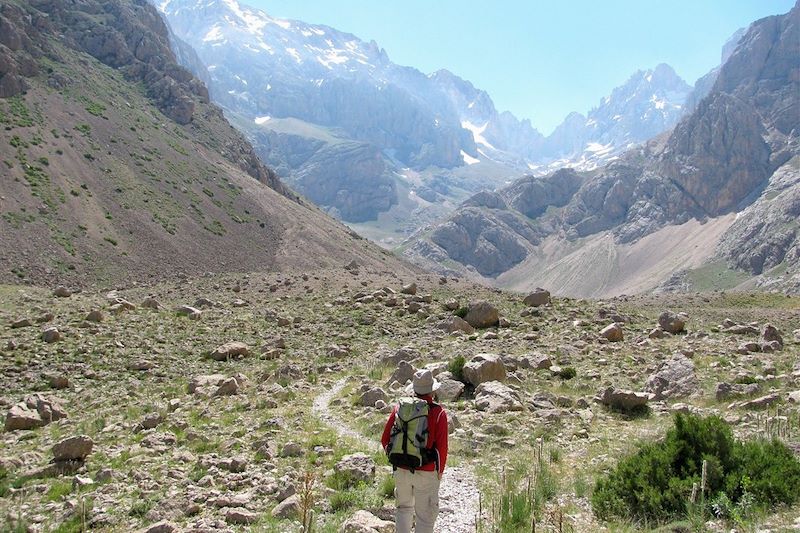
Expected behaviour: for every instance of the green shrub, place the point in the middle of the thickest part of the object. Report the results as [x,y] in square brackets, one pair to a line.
[456,367]
[461,312]
[655,483]
[567,373]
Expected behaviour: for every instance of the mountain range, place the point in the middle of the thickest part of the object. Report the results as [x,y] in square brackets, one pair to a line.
[713,202]
[307,95]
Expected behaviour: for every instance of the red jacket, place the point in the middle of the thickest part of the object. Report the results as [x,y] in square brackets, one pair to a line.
[437,433]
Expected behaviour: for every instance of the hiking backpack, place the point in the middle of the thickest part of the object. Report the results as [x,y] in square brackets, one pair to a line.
[409,435]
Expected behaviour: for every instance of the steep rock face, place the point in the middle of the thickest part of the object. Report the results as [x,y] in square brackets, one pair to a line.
[767,233]
[704,85]
[718,155]
[532,196]
[350,178]
[764,70]
[490,240]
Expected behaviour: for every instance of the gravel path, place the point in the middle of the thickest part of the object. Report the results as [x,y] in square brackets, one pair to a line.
[458,494]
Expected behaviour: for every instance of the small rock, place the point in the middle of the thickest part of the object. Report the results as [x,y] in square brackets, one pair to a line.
[95,315]
[164,526]
[62,292]
[230,350]
[356,467]
[771,334]
[21,323]
[188,311]
[372,396]
[366,522]
[51,334]
[57,381]
[292,449]
[239,516]
[624,400]
[151,303]
[151,420]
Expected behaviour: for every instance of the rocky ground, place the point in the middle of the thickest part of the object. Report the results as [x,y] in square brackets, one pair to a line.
[239,402]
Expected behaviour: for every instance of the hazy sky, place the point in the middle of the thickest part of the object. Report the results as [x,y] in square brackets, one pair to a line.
[540,59]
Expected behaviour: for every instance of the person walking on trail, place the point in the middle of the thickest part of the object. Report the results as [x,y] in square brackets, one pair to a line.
[415,440]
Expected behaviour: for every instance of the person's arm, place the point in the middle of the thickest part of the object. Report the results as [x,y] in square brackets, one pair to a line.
[441,440]
[387,430]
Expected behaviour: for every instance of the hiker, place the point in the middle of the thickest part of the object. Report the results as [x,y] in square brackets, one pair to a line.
[415,440]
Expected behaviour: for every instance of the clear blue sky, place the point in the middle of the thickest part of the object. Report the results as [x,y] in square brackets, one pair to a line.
[540,59]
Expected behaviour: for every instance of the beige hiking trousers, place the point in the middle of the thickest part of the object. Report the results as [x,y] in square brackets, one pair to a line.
[417,494]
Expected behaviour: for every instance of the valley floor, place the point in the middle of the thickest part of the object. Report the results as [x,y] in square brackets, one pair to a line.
[269,430]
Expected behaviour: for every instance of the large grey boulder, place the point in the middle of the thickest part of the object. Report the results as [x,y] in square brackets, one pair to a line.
[495,397]
[482,314]
[672,322]
[230,350]
[624,400]
[484,367]
[674,378]
[537,298]
[450,390]
[73,448]
[452,324]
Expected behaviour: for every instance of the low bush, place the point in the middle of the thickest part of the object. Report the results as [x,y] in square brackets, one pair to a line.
[456,367]
[656,482]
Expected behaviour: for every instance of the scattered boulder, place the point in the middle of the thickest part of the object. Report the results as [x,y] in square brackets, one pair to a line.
[151,421]
[73,448]
[672,322]
[95,315]
[188,311]
[51,334]
[482,314]
[612,332]
[230,350]
[62,292]
[794,397]
[228,387]
[238,516]
[57,381]
[356,467]
[495,397]
[373,395]
[724,391]
[403,373]
[288,508]
[537,298]
[623,400]
[538,361]
[761,402]
[164,526]
[406,353]
[35,411]
[213,385]
[484,367]
[674,378]
[366,522]
[21,323]
[151,303]
[411,289]
[450,390]
[452,324]
[770,334]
